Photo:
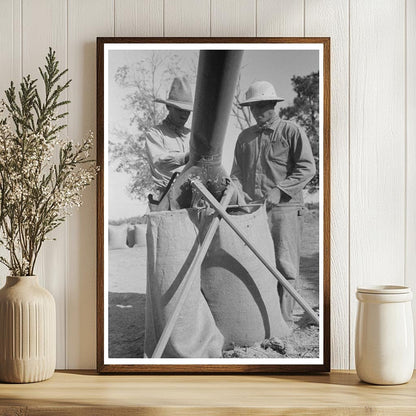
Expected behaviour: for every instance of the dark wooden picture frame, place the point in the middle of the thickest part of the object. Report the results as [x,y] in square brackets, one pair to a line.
[107,366]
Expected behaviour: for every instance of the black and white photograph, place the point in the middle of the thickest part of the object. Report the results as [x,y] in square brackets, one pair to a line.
[213,205]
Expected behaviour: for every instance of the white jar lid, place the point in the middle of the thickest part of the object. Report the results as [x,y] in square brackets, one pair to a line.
[384,289]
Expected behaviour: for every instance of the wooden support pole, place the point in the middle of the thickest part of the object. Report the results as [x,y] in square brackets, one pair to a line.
[272,269]
[190,275]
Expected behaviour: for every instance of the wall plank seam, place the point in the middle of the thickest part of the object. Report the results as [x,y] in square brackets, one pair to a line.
[67,252]
[210,17]
[304,18]
[349,185]
[21,39]
[405,143]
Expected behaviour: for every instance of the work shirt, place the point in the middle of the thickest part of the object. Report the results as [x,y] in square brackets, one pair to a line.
[166,148]
[275,155]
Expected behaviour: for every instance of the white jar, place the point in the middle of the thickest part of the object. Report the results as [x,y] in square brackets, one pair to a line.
[384,340]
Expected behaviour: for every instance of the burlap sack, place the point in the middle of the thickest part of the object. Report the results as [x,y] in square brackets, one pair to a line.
[172,241]
[117,236]
[240,291]
[140,235]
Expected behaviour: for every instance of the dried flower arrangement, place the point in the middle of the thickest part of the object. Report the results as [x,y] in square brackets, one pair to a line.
[42,176]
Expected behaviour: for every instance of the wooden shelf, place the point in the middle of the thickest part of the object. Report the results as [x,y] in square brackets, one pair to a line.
[86,393]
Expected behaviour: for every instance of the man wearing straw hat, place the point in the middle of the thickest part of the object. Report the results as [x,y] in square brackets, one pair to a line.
[273,162]
[167,144]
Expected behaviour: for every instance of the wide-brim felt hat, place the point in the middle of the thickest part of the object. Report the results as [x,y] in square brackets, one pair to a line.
[180,95]
[260,91]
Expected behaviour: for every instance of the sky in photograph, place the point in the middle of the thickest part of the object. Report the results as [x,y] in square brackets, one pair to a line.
[277,67]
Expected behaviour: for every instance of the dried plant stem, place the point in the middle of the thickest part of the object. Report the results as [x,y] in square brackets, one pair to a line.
[37,194]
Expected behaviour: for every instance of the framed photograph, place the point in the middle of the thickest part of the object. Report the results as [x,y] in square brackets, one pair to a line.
[213,221]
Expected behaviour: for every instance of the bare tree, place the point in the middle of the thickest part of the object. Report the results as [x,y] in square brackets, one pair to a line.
[241,114]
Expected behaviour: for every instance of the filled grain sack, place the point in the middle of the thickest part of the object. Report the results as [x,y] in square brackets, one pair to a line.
[117,236]
[130,235]
[140,235]
[241,293]
[172,241]
[136,235]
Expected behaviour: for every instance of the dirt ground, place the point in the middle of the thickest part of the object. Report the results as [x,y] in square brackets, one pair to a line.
[127,297]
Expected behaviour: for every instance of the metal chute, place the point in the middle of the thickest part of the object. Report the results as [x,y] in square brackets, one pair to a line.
[216,81]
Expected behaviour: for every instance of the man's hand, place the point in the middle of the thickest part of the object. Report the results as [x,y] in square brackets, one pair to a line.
[273,197]
[239,196]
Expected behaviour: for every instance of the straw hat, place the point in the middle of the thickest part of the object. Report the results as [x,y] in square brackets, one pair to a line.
[260,91]
[180,95]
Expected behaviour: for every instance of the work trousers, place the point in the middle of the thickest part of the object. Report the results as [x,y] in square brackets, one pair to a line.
[286,225]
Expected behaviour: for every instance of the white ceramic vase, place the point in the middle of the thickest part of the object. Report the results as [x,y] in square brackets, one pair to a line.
[27,331]
[384,341]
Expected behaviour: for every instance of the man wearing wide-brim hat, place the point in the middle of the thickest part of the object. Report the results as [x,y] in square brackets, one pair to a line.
[167,144]
[273,162]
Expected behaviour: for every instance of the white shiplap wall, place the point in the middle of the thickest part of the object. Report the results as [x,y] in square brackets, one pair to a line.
[373,132]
